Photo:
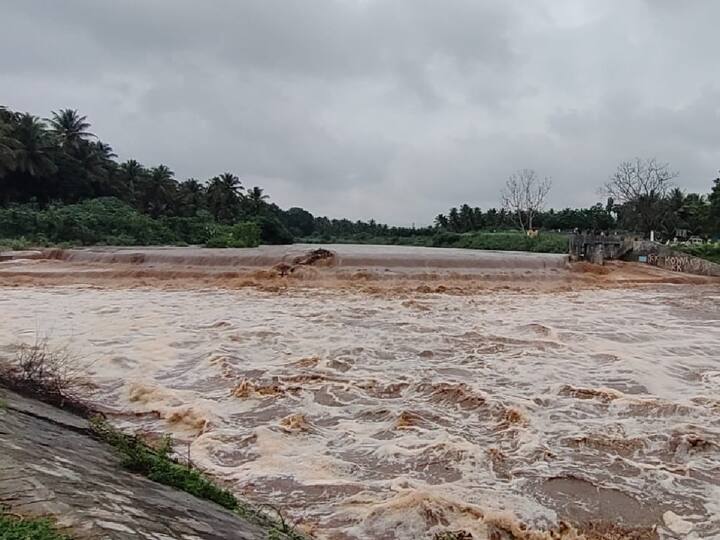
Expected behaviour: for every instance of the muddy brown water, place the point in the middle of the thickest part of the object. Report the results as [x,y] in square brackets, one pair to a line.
[367,416]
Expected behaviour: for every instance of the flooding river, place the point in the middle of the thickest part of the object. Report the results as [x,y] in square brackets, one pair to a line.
[398,417]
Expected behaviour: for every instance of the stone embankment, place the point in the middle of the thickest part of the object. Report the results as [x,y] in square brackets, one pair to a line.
[51,466]
[665,257]
[597,249]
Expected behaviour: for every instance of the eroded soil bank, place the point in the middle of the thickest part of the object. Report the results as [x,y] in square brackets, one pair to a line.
[409,402]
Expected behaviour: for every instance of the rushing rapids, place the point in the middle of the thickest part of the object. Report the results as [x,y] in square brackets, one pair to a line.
[409,412]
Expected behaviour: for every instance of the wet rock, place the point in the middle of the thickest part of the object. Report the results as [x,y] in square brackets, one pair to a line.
[315,256]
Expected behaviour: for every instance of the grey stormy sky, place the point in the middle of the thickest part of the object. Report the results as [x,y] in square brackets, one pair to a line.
[386,109]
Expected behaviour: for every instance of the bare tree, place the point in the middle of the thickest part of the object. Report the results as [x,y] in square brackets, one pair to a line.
[524,195]
[641,186]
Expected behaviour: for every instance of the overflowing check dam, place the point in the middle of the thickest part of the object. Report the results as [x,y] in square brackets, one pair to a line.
[403,392]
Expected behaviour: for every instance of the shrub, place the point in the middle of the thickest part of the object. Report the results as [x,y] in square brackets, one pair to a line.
[93,221]
[98,220]
[240,235]
[711,252]
[52,375]
[14,244]
[444,239]
[272,231]
[194,230]
[514,241]
[157,465]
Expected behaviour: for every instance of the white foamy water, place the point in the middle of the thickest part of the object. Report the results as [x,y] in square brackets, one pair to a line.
[398,417]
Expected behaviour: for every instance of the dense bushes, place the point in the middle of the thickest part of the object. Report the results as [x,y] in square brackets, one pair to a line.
[711,252]
[543,243]
[109,221]
[272,231]
[239,235]
[501,241]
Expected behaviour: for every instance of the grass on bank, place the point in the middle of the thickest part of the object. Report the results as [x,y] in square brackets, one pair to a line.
[54,376]
[158,465]
[19,528]
[710,252]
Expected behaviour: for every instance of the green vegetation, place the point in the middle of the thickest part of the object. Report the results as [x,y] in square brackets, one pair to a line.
[711,252]
[14,244]
[501,241]
[60,184]
[17,528]
[109,221]
[158,465]
[543,243]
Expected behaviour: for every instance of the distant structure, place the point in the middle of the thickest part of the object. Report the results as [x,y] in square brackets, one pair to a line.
[595,248]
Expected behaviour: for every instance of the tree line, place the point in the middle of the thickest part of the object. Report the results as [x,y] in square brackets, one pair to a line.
[641,197]
[50,162]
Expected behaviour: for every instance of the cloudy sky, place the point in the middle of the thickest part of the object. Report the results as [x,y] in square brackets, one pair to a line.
[391,109]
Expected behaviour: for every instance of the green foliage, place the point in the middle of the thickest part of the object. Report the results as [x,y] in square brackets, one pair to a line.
[500,241]
[14,244]
[109,221]
[89,222]
[543,243]
[240,235]
[56,181]
[299,221]
[711,252]
[714,210]
[272,231]
[14,528]
[158,465]
[102,221]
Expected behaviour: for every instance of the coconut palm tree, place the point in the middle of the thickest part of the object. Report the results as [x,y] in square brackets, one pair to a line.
[231,183]
[223,197]
[130,176]
[34,153]
[70,128]
[8,145]
[158,190]
[104,151]
[191,197]
[255,200]
[441,221]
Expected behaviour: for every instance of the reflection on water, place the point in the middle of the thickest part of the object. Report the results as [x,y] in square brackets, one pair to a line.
[370,417]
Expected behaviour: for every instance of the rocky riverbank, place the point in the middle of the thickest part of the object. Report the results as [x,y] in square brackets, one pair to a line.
[52,466]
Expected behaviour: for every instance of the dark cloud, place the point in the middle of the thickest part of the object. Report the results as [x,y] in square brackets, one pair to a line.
[393,109]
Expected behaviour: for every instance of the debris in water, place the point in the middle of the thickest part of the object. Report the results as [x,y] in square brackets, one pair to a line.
[315,256]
